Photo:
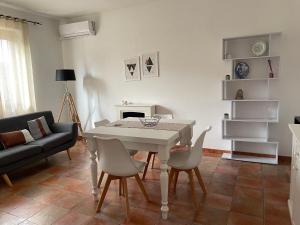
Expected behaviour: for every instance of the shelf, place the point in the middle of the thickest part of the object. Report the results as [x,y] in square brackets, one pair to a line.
[255,140]
[254,79]
[255,111]
[264,120]
[259,67]
[252,100]
[250,158]
[256,89]
[252,57]
[239,48]
[252,35]
[253,132]
[251,118]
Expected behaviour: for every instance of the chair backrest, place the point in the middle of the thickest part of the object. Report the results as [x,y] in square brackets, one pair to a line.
[115,159]
[199,142]
[101,123]
[165,116]
[196,151]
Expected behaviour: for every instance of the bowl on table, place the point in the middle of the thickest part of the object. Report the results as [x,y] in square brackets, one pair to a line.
[150,121]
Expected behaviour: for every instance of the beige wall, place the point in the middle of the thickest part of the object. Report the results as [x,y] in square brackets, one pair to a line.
[46,53]
[188,36]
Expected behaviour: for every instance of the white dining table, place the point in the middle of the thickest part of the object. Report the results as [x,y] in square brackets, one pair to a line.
[142,139]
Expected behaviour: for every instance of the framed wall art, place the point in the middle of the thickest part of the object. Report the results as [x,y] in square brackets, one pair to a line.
[150,65]
[132,69]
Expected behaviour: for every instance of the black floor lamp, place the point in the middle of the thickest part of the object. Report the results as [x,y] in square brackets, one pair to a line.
[68,75]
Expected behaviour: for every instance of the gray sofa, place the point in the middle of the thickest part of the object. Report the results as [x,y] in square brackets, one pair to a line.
[63,137]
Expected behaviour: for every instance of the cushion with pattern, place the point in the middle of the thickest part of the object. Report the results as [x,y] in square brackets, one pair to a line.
[39,128]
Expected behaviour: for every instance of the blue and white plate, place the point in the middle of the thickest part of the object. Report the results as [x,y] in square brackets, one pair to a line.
[241,70]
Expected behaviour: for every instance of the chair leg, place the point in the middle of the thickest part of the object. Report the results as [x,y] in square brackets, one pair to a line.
[100,179]
[107,183]
[121,187]
[126,197]
[172,171]
[200,180]
[68,152]
[139,181]
[147,164]
[192,185]
[153,159]
[176,179]
[7,180]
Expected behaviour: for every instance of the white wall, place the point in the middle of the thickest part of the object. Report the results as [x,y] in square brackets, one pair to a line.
[188,36]
[46,53]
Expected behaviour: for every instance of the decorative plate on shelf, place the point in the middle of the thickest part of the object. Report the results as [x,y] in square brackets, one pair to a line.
[241,70]
[259,48]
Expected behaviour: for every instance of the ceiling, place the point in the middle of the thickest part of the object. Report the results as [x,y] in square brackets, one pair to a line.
[71,8]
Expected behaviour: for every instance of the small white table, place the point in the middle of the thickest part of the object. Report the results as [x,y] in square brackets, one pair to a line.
[160,141]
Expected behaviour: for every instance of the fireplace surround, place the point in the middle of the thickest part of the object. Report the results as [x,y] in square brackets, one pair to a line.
[135,110]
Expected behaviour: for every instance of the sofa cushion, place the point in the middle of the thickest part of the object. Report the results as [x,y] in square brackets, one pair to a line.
[13,138]
[17,153]
[52,140]
[39,128]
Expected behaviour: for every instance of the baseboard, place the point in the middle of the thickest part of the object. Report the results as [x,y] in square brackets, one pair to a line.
[219,152]
[214,152]
[290,211]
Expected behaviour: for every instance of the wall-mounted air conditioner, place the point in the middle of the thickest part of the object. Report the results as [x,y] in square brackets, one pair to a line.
[72,30]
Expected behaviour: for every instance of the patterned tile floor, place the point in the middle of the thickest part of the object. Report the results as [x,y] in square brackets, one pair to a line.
[58,192]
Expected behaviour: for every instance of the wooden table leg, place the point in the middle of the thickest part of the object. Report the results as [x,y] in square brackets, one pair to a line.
[92,148]
[164,155]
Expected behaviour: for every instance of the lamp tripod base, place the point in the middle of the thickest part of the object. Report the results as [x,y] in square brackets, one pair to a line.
[73,114]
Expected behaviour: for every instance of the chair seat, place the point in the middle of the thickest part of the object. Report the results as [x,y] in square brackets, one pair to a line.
[139,165]
[132,152]
[179,160]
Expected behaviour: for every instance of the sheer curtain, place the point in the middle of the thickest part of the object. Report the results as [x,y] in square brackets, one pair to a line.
[16,80]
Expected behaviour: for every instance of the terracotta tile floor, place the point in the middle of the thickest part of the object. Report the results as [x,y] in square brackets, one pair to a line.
[58,192]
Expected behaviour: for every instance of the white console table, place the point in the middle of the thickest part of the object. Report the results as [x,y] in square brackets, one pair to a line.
[294,200]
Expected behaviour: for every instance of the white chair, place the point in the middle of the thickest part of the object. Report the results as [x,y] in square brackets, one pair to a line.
[165,116]
[101,123]
[188,161]
[150,154]
[104,123]
[117,163]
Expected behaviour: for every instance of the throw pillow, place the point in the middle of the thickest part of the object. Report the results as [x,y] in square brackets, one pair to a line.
[39,128]
[13,138]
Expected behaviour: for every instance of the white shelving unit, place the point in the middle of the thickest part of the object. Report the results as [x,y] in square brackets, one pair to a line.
[249,123]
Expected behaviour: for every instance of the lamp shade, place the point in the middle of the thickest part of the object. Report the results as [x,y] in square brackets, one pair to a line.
[65,75]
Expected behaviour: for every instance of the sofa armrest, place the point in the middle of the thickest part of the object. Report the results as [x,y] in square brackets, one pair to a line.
[65,127]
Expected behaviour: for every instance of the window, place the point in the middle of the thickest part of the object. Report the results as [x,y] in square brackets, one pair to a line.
[16,80]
